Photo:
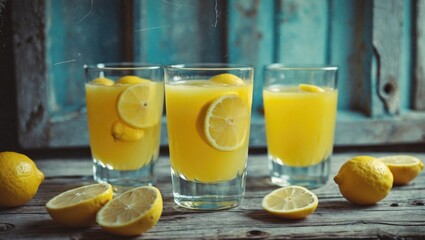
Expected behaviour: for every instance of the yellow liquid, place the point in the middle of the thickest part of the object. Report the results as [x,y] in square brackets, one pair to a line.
[102,114]
[190,153]
[300,125]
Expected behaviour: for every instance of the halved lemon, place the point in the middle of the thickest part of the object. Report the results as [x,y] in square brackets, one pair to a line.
[122,132]
[404,168]
[310,88]
[227,122]
[136,106]
[131,79]
[131,213]
[292,202]
[102,81]
[78,207]
[227,78]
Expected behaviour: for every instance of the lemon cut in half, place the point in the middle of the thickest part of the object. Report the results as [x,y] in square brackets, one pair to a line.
[310,88]
[78,207]
[102,81]
[131,79]
[131,213]
[404,168]
[227,123]
[292,202]
[227,78]
[136,106]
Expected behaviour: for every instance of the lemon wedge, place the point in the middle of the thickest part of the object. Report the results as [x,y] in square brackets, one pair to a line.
[404,168]
[78,207]
[292,202]
[122,132]
[310,88]
[131,79]
[227,78]
[227,122]
[131,213]
[102,81]
[136,106]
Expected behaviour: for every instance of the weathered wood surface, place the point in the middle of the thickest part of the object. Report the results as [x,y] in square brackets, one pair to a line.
[401,215]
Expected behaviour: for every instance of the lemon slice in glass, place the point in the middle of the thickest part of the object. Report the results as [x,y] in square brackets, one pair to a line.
[310,88]
[131,213]
[78,207]
[131,79]
[122,132]
[102,81]
[227,122]
[292,202]
[136,106]
[404,168]
[227,78]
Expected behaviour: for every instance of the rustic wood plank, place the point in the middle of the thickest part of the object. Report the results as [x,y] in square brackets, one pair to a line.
[398,216]
[29,26]
[419,56]
[349,47]
[302,31]
[175,32]
[250,40]
[387,43]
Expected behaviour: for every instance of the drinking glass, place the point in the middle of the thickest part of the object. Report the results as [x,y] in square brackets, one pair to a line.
[208,118]
[124,109]
[300,105]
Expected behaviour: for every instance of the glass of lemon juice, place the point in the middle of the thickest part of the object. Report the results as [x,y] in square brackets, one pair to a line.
[208,118]
[300,105]
[124,109]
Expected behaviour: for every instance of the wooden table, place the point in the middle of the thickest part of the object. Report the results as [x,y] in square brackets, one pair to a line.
[401,215]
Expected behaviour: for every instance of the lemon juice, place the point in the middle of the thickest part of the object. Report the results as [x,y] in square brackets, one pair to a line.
[299,124]
[300,106]
[208,129]
[192,155]
[124,121]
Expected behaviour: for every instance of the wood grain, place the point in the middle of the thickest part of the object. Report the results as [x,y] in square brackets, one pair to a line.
[399,216]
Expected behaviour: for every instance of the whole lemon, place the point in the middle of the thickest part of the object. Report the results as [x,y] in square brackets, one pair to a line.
[19,179]
[364,180]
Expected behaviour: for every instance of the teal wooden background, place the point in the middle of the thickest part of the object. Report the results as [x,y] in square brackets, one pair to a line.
[372,43]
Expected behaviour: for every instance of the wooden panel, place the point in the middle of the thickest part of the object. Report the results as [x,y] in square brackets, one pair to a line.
[178,31]
[8,107]
[302,31]
[79,32]
[29,24]
[250,39]
[419,56]
[386,40]
[351,51]
[170,32]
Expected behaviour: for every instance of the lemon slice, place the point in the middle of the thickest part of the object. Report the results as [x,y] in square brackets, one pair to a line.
[78,207]
[310,88]
[227,78]
[227,122]
[404,168]
[122,132]
[131,213]
[292,202]
[102,81]
[131,79]
[136,106]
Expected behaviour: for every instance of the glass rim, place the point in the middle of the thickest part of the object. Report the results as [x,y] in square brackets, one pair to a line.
[209,66]
[308,67]
[122,66]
